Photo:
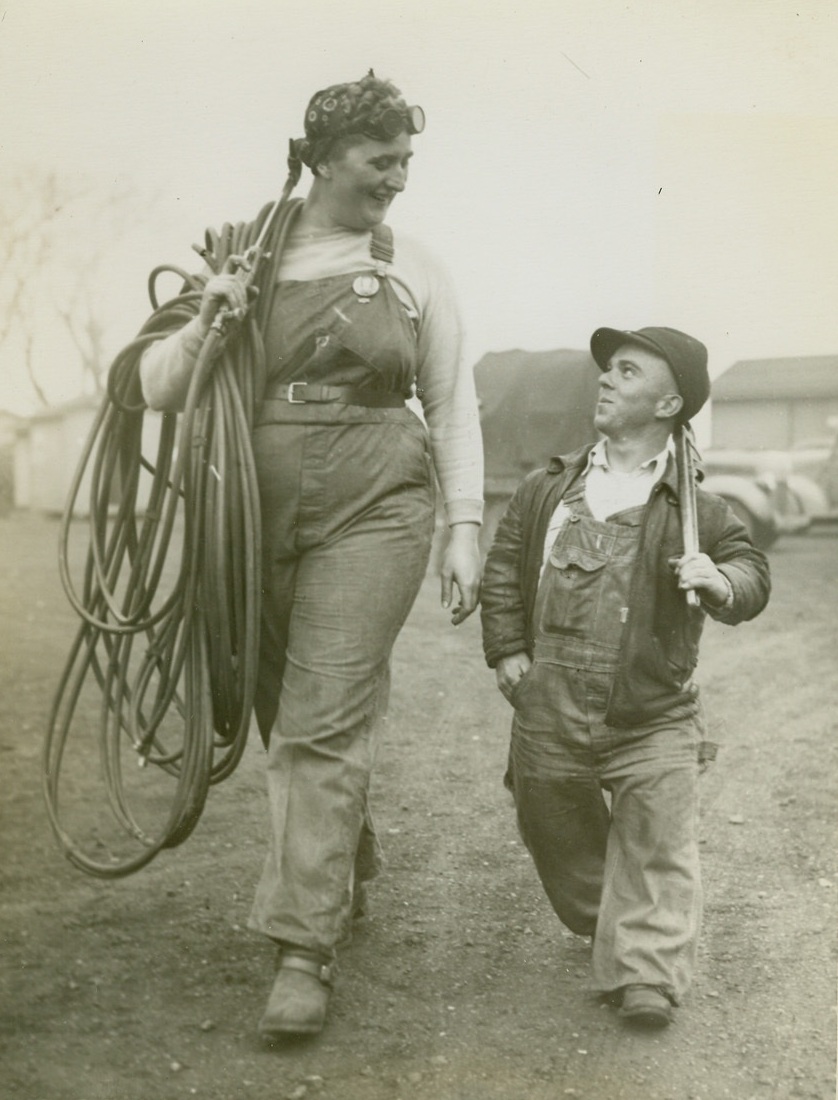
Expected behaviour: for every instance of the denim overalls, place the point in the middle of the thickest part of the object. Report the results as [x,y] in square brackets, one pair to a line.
[628,875]
[347,512]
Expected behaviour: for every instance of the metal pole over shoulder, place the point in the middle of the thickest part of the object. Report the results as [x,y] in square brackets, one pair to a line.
[685,454]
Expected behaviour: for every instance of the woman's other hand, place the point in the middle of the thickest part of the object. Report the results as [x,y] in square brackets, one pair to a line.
[461,566]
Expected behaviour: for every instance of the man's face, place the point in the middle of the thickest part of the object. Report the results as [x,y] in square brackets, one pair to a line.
[633,390]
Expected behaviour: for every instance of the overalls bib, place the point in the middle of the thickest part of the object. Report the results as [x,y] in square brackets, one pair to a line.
[628,872]
[348,509]
[583,599]
[581,609]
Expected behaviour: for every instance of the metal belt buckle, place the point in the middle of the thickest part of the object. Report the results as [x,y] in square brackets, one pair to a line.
[292,400]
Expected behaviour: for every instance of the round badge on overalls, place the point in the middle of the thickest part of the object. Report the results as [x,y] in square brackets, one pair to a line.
[365,286]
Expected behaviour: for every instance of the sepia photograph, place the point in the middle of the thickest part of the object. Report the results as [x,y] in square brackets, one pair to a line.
[452,718]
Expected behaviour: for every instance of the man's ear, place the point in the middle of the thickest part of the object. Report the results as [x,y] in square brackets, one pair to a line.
[669,406]
[324,170]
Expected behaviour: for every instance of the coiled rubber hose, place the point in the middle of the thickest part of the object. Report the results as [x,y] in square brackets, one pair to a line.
[169,600]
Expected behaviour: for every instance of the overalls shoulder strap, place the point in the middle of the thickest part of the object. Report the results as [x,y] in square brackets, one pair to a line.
[575,491]
[382,248]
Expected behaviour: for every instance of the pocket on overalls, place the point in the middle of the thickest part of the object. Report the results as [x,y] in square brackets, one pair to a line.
[517,688]
[573,578]
[410,454]
[535,698]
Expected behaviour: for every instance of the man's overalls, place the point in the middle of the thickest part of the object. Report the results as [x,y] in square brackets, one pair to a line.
[347,499]
[628,876]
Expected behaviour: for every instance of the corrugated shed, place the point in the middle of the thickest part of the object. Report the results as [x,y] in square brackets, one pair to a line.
[766,379]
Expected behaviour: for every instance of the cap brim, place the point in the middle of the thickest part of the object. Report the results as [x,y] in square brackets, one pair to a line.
[605,342]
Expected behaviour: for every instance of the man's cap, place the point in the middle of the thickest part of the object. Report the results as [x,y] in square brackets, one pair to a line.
[686,356]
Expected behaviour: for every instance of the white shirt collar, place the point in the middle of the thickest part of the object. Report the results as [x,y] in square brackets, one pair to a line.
[654,465]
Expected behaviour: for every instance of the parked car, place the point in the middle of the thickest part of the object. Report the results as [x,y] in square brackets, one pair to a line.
[814,477]
[757,486]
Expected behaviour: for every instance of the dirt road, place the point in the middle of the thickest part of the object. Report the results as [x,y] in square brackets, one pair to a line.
[460,984]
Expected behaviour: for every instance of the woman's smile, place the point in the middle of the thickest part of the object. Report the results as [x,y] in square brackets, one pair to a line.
[358,188]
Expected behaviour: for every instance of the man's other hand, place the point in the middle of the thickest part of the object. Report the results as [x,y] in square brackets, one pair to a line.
[509,670]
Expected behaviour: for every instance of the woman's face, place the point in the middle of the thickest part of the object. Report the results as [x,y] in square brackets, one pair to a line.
[362,182]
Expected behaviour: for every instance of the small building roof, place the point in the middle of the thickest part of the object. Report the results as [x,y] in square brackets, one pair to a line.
[799,376]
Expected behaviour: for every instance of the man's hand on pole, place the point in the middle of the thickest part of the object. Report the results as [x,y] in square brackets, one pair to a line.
[697,573]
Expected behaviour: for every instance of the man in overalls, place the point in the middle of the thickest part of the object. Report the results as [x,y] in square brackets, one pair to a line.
[587,626]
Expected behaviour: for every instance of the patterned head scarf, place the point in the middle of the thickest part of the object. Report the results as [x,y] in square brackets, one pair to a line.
[372,107]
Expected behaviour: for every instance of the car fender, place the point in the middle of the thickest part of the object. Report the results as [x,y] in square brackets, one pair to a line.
[749,502]
[811,497]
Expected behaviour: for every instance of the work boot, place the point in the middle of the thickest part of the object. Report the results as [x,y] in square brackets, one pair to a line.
[645,1006]
[299,998]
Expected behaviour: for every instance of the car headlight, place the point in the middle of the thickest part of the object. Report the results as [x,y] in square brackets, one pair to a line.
[767,481]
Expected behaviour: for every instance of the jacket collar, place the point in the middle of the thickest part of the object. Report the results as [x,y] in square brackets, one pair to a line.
[575,459]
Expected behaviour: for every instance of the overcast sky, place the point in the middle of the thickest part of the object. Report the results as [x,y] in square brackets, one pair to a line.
[585,162]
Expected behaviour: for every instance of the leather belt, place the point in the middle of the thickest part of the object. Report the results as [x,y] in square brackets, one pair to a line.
[305,393]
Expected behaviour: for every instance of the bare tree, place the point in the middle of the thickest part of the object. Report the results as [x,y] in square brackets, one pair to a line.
[54,239]
[27,220]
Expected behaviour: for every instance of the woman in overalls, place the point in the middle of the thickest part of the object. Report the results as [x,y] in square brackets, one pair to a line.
[361,321]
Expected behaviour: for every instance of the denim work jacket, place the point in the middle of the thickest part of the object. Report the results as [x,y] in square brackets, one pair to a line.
[659,647]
